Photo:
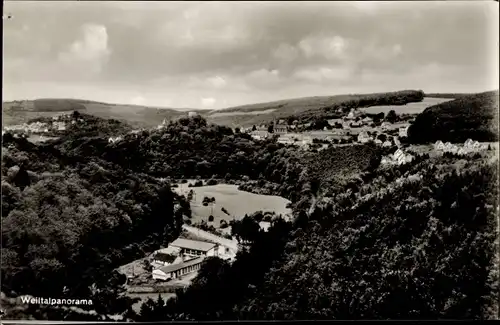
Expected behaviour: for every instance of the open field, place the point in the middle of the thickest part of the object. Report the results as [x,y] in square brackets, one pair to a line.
[236,202]
[410,108]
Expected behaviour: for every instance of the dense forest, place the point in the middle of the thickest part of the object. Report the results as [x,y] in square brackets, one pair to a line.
[368,241]
[412,242]
[471,116]
[66,227]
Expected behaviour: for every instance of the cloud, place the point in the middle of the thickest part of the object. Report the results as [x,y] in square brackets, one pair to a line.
[217,82]
[327,47]
[285,52]
[208,102]
[244,52]
[91,50]
[324,74]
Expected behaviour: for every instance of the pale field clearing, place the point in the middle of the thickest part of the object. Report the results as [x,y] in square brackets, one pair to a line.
[410,108]
[236,202]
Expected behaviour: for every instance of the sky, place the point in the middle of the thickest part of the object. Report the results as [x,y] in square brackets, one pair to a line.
[212,55]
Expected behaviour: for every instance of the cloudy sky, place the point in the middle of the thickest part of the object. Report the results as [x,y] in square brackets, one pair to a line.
[216,55]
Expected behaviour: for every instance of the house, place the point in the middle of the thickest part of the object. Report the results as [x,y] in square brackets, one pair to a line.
[192,114]
[259,135]
[367,120]
[403,131]
[195,247]
[363,137]
[279,128]
[285,140]
[397,142]
[227,247]
[387,144]
[175,271]
[264,225]
[306,140]
[439,145]
[386,126]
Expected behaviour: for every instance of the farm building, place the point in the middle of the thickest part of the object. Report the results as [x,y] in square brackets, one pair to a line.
[175,271]
[194,247]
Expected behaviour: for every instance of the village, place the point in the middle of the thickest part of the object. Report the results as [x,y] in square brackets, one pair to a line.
[355,127]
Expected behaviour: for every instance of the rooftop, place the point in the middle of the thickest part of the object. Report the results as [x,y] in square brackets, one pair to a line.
[175,267]
[192,244]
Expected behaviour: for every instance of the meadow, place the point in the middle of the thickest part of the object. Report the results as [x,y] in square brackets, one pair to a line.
[410,108]
[236,202]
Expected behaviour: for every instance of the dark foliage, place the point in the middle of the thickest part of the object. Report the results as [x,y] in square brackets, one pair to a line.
[471,116]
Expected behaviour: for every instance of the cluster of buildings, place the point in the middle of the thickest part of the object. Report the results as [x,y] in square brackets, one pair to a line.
[185,256]
[57,124]
[397,158]
[469,146]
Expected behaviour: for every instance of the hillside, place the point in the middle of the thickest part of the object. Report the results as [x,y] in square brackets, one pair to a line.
[471,116]
[18,112]
[304,109]
[309,108]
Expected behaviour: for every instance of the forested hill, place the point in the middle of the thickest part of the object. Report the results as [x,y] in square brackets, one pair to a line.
[309,108]
[190,147]
[471,116]
[402,242]
[67,224]
[409,242]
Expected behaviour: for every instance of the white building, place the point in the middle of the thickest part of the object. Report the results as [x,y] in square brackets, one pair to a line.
[174,271]
[439,145]
[403,131]
[227,247]
[264,225]
[363,137]
[195,247]
[385,126]
[307,140]
[387,143]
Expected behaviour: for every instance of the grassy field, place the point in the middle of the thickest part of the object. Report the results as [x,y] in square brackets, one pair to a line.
[411,108]
[236,202]
[19,112]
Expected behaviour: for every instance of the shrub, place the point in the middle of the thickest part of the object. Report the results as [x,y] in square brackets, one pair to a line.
[211,182]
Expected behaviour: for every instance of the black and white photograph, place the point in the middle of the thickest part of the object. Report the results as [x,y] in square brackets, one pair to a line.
[250,160]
